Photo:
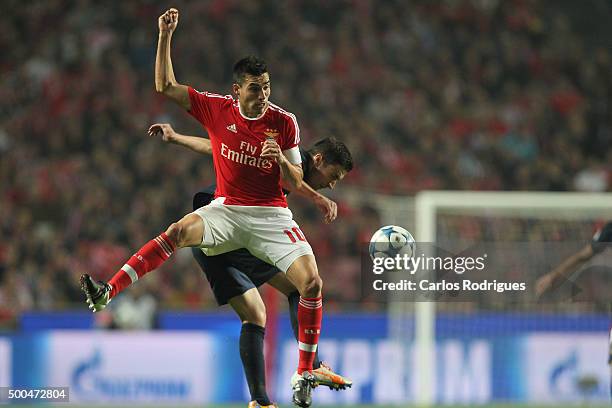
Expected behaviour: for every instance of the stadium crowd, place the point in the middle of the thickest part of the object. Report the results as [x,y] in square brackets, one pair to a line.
[482,95]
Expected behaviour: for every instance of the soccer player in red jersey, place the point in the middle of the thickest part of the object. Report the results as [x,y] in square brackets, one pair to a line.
[235,276]
[255,154]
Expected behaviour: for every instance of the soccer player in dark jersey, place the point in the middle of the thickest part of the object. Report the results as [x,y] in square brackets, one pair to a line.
[601,240]
[234,276]
[255,154]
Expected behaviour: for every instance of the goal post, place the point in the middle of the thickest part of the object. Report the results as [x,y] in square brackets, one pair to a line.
[577,208]
[431,217]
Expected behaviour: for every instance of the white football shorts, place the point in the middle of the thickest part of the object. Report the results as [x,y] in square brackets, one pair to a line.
[269,233]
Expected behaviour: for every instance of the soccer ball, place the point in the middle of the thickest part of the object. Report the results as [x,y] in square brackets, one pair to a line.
[390,241]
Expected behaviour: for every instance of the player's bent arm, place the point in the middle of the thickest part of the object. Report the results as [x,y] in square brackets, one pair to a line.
[169,135]
[165,83]
[562,272]
[292,175]
[305,190]
[328,207]
[196,143]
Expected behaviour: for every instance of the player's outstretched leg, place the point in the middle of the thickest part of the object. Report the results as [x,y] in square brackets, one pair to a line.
[186,232]
[323,374]
[97,293]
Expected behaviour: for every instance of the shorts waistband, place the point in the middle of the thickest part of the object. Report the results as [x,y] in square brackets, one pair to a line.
[264,210]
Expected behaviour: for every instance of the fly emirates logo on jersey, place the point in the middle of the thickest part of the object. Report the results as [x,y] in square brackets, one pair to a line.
[245,156]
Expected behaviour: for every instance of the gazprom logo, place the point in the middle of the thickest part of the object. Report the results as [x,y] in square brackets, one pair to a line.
[570,379]
[90,381]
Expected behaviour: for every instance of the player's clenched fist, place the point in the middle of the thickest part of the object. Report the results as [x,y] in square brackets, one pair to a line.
[271,150]
[168,21]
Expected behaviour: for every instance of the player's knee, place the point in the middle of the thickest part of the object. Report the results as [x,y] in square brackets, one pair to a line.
[256,316]
[175,233]
[312,287]
[259,318]
[186,232]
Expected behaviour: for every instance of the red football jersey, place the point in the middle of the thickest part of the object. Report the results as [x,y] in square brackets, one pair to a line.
[243,177]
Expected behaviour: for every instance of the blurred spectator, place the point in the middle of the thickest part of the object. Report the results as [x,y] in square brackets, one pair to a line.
[465,94]
[136,310]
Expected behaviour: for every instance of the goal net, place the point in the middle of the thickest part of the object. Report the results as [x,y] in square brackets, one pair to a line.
[461,219]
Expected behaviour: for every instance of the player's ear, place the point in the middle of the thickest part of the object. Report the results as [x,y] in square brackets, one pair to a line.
[236,89]
[317,159]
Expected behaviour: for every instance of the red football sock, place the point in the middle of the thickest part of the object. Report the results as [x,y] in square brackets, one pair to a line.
[149,257]
[310,314]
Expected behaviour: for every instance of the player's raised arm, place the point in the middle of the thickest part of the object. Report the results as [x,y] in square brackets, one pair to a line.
[169,135]
[562,272]
[165,82]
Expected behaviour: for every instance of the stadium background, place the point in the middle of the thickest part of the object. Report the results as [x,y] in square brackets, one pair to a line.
[449,95]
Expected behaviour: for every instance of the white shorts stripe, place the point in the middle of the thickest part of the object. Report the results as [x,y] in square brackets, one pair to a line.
[311,348]
[130,271]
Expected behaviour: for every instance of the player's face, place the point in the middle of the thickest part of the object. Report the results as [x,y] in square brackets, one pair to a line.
[253,94]
[325,175]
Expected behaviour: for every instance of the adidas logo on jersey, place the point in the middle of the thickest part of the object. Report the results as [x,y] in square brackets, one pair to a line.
[232,128]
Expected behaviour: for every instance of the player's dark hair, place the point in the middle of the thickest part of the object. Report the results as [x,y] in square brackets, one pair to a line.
[333,152]
[250,65]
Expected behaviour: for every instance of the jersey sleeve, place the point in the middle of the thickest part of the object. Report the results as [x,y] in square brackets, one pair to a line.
[291,134]
[204,105]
